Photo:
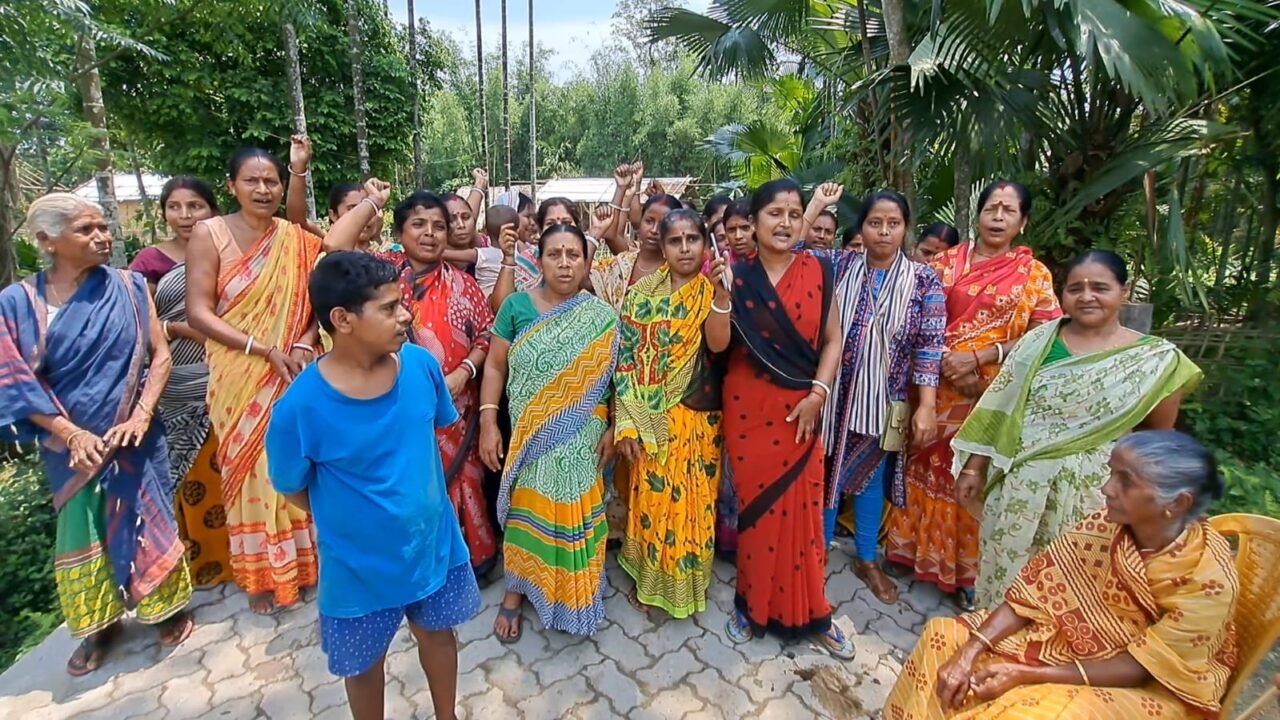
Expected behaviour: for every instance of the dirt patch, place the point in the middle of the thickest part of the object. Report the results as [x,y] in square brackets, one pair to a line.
[835,691]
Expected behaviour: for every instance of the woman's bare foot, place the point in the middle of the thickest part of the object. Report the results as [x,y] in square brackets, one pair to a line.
[885,590]
[89,655]
[262,604]
[633,597]
[176,629]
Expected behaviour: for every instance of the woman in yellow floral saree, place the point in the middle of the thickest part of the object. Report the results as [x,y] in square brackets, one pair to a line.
[1126,615]
[667,420]
[247,292]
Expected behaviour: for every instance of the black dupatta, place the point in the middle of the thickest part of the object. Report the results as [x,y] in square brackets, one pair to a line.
[761,324]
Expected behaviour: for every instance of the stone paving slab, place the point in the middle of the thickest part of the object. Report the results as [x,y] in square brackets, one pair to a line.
[239,665]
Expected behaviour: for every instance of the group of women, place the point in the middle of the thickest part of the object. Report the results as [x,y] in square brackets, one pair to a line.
[750,381]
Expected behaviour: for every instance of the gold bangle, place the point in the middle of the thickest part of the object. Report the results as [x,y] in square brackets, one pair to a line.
[488,407]
[983,639]
[1083,675]
[73,436]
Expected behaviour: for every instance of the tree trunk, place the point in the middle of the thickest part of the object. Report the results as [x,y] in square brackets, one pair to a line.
[1258,306]
[294,66]
[143,197]
[864,30]
[895,26]
[962,168]
[9,197]
[506,102]
[357,87]
[484,105]
[417,101]
[1226,235]
[533,114]
[95,112]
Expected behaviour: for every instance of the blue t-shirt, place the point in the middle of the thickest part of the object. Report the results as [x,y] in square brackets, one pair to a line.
[387,533]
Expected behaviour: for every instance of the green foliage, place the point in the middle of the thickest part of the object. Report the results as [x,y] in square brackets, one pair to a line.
[28,598]
[1250,488]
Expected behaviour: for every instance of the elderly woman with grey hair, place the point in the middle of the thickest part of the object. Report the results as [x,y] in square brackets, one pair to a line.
[1128,614]
[82,365]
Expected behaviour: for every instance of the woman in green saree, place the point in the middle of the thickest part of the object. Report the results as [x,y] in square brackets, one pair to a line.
[1031,458]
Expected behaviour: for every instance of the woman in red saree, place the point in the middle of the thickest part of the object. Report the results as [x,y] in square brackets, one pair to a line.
[995,293]
[247,293]
[452,320]
[786,344]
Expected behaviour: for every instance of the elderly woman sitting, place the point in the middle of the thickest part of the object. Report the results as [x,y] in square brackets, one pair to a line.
[1126,615]
[74,375]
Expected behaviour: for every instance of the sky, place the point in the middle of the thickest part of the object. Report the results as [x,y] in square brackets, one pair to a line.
[573,29]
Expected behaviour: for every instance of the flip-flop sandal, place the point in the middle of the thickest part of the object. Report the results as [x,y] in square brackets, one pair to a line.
[514,617]
[875,579]
[633,597]
[188,624]
[965,599]
[88,656]
[835,643]
[738,629]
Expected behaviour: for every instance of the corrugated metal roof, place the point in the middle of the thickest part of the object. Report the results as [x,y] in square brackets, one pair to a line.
[600,190]
[126,187]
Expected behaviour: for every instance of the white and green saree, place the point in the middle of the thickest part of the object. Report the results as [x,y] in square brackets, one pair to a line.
[1048,422]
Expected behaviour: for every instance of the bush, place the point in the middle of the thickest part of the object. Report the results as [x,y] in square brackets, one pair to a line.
[1250,488]
[28,598]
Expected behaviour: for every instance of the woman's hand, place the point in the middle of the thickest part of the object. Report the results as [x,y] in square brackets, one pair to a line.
[805,416]
[605,449]
[828,194]
[954,678]
[130,432]
[721,276]
[924,426]
[299,153]
[86,450]
[480,179]
[601,219]
[456,381]
[491,452]
[995,680]
[968,385]
[285,366]
[301,356]
[631,450]
[958,363]
[377,191]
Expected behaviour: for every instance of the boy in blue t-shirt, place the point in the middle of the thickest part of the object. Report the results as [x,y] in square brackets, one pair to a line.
[351,441]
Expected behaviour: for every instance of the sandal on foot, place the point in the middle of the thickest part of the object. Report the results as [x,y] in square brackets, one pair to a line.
[897,571]
[633,597]
[175,630]
[738,629]
[835,643]
[885,590]
[88,656]
[965,599]
[514,618]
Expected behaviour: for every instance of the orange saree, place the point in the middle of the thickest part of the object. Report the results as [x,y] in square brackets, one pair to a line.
[263,292]
[988,302]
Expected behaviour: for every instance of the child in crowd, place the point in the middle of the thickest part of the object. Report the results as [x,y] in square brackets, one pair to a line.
[389,542]
[487,261]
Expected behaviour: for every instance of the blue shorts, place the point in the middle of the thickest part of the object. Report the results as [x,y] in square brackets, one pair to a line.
[353,645]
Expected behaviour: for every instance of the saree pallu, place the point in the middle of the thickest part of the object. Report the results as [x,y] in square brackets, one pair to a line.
[202,519]
[993,301]
[1049,430]
[1091,595]
[451,317]
[264,294]
[552,502]
[611,277]
[776,339]
[668,401]
[117,543]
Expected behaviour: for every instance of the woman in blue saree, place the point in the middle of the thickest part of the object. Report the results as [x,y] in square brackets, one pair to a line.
[75,377]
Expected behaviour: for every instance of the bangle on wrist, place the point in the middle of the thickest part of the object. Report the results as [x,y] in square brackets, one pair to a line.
[488,406]
[248,346]
[1083,675]
[720,310]
[826,389]
[377,210]
[969,471]
[471,367]
[999,354]
[295,173]
[73,436]
[983,639]
[303,346]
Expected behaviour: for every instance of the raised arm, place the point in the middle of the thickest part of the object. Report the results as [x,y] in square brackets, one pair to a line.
[824,196]
[295,199]
[717,329]
[506,285]
[614,233]
[345,233]
[479,191]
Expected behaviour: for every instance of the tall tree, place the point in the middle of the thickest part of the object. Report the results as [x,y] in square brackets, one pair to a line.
[506,102]
[417,101]
[357,87]
[95,112]
[533,112]
[484,106]
[294,66]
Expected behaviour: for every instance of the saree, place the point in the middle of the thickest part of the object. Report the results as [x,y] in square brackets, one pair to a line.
[264,294]
[117,544]
[668,402]
[1049,430]
[197,484]
[611,277]
[1091,595]
[451,317]
[551,501]
[777,336]
[988,301]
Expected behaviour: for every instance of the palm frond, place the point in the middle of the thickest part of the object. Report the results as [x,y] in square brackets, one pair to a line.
[721,49]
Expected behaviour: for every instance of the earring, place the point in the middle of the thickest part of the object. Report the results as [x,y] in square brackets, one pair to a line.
[1168,513]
